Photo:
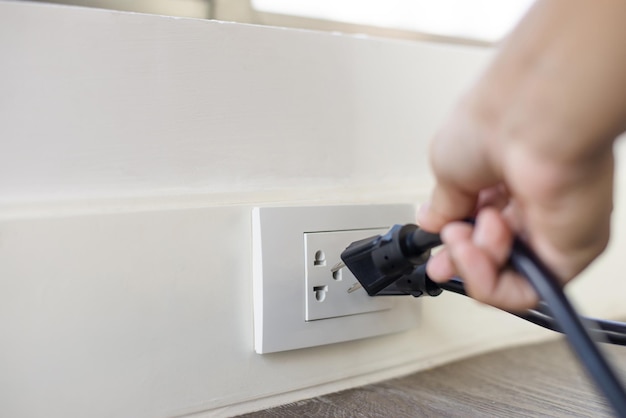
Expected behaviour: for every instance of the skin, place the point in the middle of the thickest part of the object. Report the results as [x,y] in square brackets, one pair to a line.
[528,151]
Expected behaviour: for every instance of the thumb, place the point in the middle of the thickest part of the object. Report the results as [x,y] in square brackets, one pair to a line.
[448,203]
[463,167]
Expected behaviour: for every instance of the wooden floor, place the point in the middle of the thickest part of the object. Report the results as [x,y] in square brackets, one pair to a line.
[531,381]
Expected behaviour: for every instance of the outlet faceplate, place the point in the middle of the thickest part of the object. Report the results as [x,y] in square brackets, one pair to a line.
[285,243]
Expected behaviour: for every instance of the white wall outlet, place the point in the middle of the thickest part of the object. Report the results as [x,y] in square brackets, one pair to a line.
[297,301]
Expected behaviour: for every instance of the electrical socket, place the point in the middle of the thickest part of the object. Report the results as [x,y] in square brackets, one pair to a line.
[297,303]
[326,290]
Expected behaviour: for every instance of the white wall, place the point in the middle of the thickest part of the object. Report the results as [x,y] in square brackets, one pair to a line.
[132,150]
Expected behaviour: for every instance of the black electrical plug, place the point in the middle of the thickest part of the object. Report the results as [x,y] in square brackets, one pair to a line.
[379,261]
[416,284]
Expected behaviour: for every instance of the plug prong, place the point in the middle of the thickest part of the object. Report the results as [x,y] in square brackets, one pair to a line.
[337,267]
[355,287]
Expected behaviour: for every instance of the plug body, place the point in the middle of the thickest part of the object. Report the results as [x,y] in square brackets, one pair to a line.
[379,261]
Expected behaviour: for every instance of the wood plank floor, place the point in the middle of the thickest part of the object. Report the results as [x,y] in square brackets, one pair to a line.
[530,381]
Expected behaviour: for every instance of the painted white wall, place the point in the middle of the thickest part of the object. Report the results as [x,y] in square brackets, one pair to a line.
[132,150]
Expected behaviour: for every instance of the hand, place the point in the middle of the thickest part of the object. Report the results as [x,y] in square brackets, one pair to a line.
[528,152]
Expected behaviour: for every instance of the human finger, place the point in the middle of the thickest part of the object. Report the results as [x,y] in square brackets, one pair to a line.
[493,235]
[487,283]
[440,267]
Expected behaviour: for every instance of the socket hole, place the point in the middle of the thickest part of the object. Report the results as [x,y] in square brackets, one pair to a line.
[320,258]
[320,293]
[338,275]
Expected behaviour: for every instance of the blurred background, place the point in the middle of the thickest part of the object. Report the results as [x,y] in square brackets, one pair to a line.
[480,22]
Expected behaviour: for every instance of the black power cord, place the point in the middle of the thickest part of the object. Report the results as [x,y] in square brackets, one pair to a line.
[418,284]
[394,264]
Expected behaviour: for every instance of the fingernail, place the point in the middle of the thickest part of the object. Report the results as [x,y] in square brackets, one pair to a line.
[480,236]
[423,211]
[436,268]
[445,233]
